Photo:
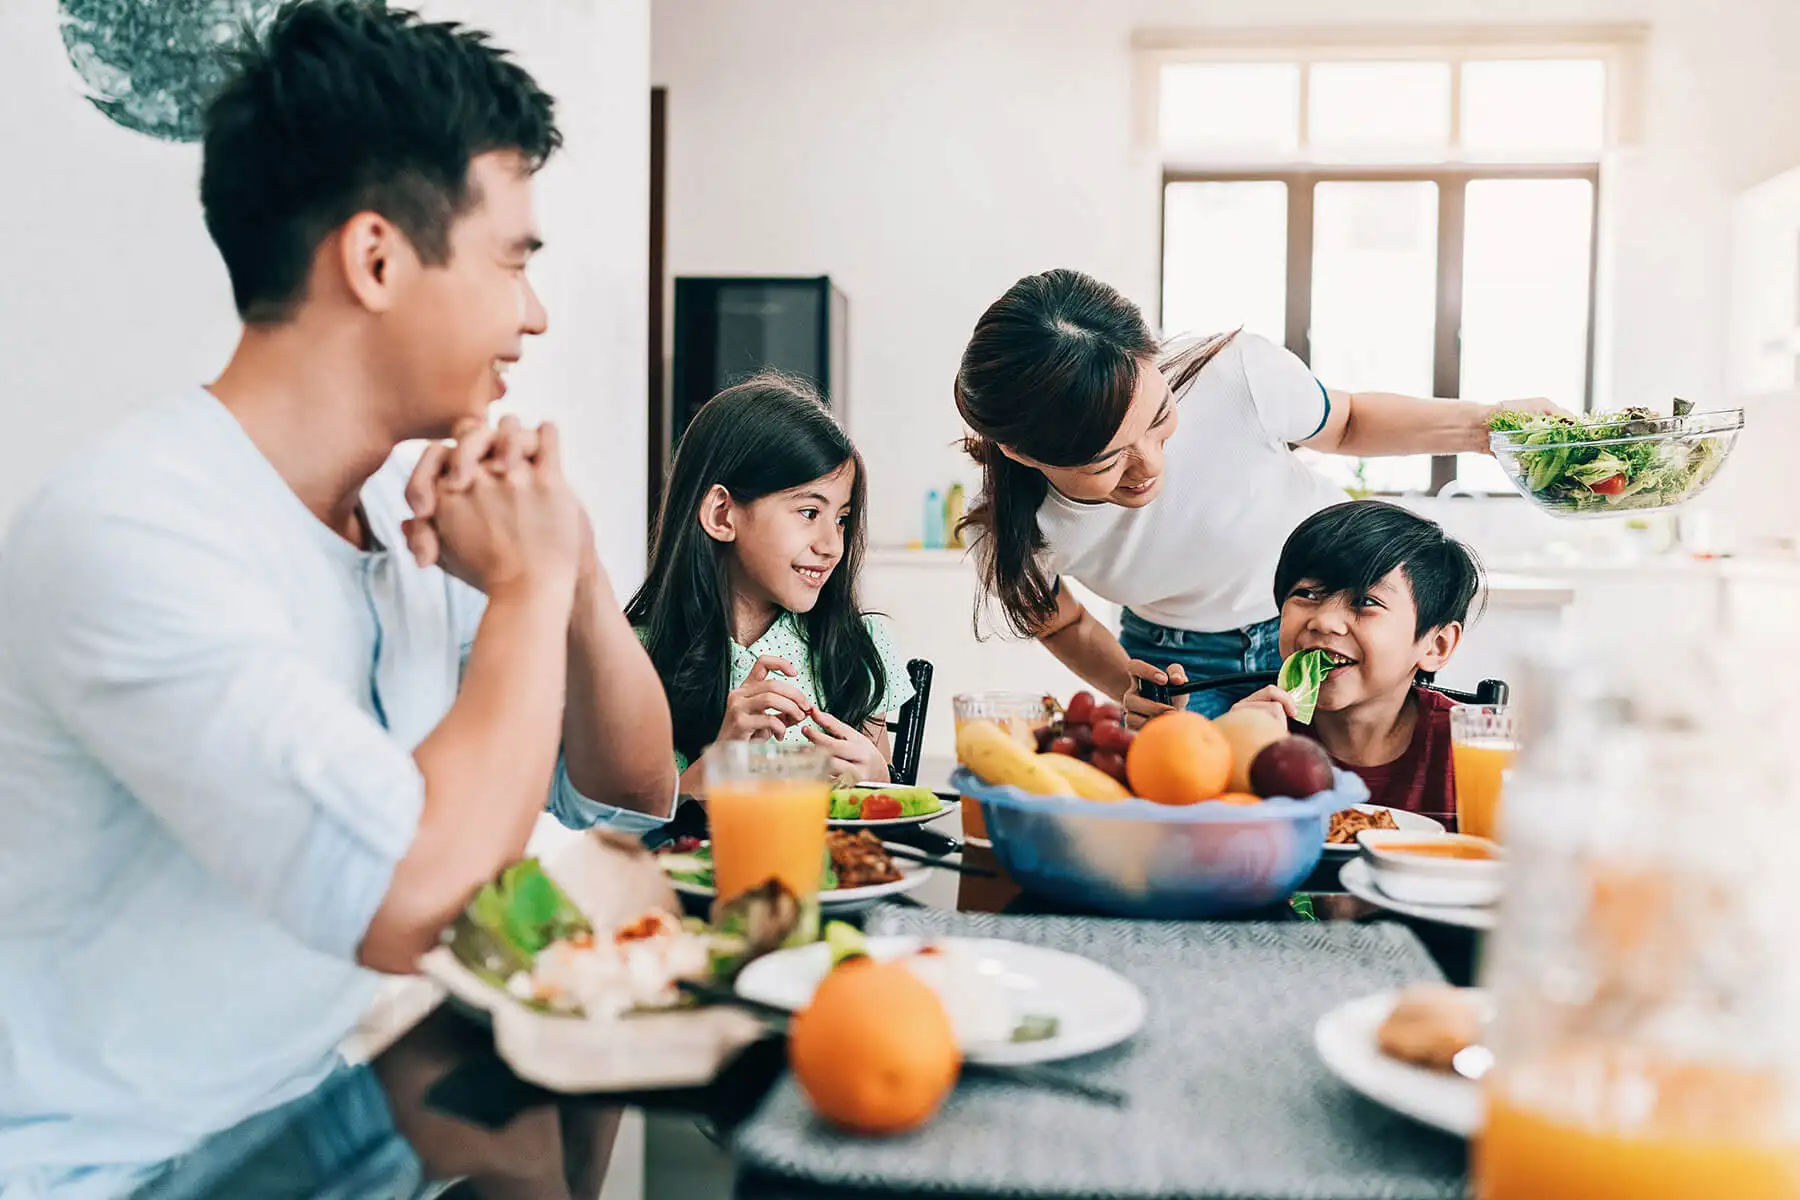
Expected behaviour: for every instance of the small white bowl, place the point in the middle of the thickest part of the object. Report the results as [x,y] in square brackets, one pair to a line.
[1432,879]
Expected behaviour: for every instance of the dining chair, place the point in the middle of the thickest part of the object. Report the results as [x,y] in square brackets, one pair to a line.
[907,729]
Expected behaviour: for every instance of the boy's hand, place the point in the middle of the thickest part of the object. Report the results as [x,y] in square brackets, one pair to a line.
[1139,708]
[1272,700]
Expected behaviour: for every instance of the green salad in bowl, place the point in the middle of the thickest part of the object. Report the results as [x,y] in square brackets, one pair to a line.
[1600,464]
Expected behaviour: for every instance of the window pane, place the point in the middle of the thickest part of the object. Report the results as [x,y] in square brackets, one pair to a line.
[1527,248]
[1534,106]
[1225,258]
[1374,302]
[1245,107]
[1394,110]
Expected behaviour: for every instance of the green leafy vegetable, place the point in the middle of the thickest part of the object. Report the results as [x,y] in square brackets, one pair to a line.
[510,920]
[1302,675]
[846,803]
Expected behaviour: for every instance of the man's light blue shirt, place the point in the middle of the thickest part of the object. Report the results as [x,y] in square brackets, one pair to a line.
[208,707]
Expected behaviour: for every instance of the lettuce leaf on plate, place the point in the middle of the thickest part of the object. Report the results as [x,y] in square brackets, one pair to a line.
[510,920]
[846,803]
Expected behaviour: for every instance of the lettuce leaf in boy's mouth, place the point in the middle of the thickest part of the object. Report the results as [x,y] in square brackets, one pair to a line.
[1302,675]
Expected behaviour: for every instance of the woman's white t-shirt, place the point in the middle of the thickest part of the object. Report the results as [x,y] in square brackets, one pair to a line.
[1202,555]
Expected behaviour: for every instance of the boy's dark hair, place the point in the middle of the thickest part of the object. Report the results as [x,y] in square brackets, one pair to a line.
[1351,547]
[343,106]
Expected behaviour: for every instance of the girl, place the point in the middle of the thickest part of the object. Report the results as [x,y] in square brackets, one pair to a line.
[1161,481]
[749,611]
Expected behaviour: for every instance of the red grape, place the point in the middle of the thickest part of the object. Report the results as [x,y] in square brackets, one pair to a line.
[1112,762]
[1111,735]
[1080,708]
[1045,736]
[1065,745]
[1083,736]
[1108,712]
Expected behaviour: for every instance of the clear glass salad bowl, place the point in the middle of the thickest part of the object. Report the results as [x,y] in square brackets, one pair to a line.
[1608,464]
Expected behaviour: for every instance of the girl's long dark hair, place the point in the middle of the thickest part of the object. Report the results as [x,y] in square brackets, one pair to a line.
[768,434]
[1049,372]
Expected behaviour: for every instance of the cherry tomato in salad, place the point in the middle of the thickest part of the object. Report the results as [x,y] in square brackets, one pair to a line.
[880,807]
[1609,487]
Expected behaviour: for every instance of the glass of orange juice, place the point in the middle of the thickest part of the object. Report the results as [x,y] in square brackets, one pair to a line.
[766,807]
[1020,714]
[1642,970]
[1482,746]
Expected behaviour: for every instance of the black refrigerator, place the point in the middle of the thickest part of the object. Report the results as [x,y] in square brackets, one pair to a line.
[729,328]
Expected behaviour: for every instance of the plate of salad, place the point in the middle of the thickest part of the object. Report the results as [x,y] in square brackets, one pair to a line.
[871,805]
[1601,464]
[578,963]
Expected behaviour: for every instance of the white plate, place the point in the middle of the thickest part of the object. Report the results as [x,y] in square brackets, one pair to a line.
[1409,822]
[842,901]
[948,806]
[1346,1041]
[1094,1007]
[1359,881]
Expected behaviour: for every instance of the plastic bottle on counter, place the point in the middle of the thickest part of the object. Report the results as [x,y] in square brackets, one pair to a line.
[953,515]
[934,520]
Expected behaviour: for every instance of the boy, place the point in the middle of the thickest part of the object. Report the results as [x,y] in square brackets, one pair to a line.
[1389,591]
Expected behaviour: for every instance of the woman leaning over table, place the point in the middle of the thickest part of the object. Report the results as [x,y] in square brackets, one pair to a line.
[1161,478]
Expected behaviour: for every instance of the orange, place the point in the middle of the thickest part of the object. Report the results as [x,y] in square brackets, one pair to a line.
[874,1051]
[1239,798]
[1179,758]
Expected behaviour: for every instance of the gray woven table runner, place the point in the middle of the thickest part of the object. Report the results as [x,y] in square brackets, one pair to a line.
[1229,1100]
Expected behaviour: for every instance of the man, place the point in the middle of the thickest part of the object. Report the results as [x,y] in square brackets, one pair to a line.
[263,730]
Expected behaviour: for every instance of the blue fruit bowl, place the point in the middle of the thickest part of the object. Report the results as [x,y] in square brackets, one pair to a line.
[1136,858]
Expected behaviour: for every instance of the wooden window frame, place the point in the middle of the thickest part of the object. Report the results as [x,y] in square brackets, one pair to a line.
[1452,180]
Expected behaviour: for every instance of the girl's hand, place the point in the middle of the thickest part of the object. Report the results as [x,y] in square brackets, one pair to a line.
[1272,700]
[1138,708]
[852,752]
[764,707]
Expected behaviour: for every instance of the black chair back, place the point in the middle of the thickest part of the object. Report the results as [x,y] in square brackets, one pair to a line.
[907,730]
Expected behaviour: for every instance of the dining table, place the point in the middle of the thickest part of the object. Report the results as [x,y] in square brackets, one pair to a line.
[438,1113]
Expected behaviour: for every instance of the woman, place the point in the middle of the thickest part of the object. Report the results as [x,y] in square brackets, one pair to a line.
[1162,481]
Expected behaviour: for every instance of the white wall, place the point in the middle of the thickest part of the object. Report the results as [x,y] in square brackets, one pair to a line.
[926,154]
[112,296]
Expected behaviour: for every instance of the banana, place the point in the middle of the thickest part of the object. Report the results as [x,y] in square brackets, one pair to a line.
[1085,779]
[991,753]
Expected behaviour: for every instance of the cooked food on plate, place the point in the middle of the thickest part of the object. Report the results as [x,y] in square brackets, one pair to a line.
[858,859]
[1352,821]
[522,933]
[1430,1025]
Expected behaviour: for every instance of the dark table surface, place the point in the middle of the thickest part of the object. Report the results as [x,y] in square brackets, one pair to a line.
[439,1113]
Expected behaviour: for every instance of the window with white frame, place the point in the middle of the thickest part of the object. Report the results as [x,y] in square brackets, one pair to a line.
[1414,219]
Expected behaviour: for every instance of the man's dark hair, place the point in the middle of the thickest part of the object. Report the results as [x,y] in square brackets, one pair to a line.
[345,106]
[1349,548]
